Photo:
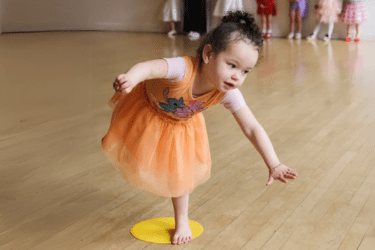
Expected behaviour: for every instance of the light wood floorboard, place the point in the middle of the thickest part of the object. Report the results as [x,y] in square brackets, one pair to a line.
[59,191]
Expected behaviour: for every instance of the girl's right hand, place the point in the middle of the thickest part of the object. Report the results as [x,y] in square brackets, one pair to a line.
[124,84]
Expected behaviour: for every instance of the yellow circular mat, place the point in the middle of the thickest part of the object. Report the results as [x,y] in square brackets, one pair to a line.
[161,230]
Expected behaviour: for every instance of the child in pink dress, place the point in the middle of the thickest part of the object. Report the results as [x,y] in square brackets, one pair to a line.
[353,13]
[327,11]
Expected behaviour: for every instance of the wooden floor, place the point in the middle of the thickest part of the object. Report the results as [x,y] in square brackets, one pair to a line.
[59,191]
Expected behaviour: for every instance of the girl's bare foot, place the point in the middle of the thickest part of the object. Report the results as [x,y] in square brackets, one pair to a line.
[183,232]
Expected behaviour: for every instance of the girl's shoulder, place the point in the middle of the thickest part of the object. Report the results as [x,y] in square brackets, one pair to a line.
[181,67]
[191,61]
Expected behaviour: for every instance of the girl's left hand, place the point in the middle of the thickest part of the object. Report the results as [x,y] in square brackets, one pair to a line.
[281,173]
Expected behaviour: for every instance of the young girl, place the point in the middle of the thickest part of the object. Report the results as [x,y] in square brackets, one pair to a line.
[171,13]
[266,9]
[157,136]
[326,11]
[353,13]
[297,9]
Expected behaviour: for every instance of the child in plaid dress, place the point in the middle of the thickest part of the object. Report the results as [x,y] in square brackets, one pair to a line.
[353,13]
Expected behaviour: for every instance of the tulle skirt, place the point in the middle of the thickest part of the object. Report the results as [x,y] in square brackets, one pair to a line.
[223,6]
[353,13]
[328,12]
[171,11]
[153,152]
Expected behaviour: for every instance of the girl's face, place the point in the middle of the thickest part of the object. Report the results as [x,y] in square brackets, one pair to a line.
[229,68]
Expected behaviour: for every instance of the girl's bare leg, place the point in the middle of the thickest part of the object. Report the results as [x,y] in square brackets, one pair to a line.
[357,26]
[292,21]
[173,32]
[269,22]
[299,21]
[291,24]
[183,232]
[264,23]
[348,30]
[173,27]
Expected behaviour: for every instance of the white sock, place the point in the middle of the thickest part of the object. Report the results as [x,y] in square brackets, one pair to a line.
[316,30]
[270,31]
[330,29]
[264,31]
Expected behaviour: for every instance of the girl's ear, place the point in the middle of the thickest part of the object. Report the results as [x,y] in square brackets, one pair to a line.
[207,53]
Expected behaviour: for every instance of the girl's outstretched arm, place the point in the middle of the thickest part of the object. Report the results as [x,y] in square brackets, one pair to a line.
[259,138]
[138,73]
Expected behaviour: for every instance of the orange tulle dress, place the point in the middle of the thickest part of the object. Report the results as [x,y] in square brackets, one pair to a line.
[157,136]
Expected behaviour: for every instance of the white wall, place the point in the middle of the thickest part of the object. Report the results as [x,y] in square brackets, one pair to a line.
[43,15]
[134,15]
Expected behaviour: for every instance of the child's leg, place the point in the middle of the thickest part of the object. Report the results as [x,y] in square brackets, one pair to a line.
[348,31]
[173,27]
[330,29]
[264,24]
[291,24]
[183,231]
[357,26]
[173,30]
[316,30]
[328,36]
[292,21]
[269,24]
[299,24]
[299,21]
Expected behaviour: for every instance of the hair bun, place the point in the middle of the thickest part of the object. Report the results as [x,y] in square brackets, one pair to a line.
[235,26]
[239,17]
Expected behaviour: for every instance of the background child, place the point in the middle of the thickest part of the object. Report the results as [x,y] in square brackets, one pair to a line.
[223,6]
[299,11]
[353,13]
[171,13]
[157,136]
[326,11]
[266,9]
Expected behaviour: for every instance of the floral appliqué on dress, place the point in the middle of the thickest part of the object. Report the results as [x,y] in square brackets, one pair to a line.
[178,108]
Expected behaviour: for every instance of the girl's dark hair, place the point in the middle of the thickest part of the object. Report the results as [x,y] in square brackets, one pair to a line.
[239,23]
